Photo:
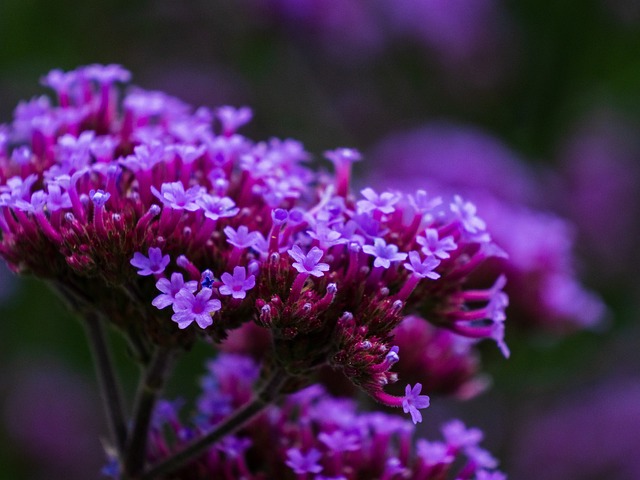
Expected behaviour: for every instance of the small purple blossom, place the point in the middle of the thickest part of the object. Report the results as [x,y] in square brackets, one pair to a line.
[237,284]
[56,198]
[339,441]
[432,245]
[309,263]
[189,308]
[412,402]
[215,207]
[170,288]
[241,238]
[385,254]
[384,202]
[433,453]
[459,436]
[302,463]
[98,197]
[173,195]
[154,264]
[466,212]
[233,118]
[423,268]
[107,74]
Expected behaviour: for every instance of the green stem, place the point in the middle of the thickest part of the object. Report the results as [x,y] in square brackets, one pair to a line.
[107,381]
[239,418]
[151,384]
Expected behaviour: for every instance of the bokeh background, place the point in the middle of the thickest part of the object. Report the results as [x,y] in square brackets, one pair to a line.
[541,99]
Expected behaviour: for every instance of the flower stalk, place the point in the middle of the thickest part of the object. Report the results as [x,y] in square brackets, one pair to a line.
[262,399]
[151,384]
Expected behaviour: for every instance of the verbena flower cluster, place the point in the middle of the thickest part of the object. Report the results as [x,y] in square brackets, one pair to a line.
[544,288]
[312,436]
[174,226]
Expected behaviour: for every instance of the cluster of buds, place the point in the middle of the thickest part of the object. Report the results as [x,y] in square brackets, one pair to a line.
[133,207]
[312,436]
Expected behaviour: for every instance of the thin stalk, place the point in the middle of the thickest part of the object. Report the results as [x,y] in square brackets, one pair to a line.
[239,418]
[107,381]
[151,384]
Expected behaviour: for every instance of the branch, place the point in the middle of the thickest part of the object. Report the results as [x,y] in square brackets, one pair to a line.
[107,381]
[151,384]
[238,419]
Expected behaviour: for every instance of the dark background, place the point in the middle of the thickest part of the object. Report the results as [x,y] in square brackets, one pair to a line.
[535,73]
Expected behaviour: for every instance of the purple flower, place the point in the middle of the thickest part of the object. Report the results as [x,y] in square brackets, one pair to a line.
[233,118]
[385,254]
[241,238]
[308,263]
[433,453]
[237,284]
[431,245]
[304,463]
[459,436]
[56,199]
[423,268]
[107,74]
[466,212]
[189,308]
[413,401]
[98,197]
[170,289]
[173,195]
[384,202]
[154,264]
[215,207]
[339,441]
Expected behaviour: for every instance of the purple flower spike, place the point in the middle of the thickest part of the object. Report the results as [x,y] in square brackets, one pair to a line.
[413,401]
[385,254]
[237,284]
[304,463]
[308,263]
[423,268]
[189,308]
[170,289]
[154,264]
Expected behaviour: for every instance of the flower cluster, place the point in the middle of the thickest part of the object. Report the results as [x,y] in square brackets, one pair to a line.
[313,436]
[544,287]
[133,207]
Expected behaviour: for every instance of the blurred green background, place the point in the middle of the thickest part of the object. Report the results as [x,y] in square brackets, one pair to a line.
[549,67]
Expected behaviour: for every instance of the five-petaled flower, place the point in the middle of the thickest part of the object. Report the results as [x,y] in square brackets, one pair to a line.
[309,263]
[302,463]
[237,284]
[154,264]
[385,254]
[191,308]
[413,401]
[171,288]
